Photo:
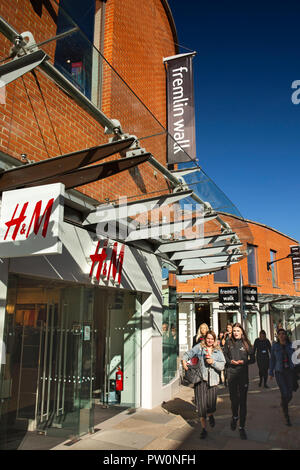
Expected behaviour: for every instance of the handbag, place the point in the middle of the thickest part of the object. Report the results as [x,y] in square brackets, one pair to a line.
[193,375]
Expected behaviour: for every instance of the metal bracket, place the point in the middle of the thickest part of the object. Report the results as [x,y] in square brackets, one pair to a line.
[276,260]
[21,46]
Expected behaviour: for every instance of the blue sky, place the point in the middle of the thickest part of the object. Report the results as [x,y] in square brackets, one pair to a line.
[247,128]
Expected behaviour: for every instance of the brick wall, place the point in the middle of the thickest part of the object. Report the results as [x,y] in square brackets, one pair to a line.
[41,120]
[265,239]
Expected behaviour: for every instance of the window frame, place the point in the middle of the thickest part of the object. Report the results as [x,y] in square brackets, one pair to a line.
[255,257]
[228,280]
[273,268]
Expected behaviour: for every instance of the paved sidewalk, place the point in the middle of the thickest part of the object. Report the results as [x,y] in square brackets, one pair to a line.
[175,426]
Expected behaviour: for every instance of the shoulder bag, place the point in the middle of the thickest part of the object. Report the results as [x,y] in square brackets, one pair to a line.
[193,374]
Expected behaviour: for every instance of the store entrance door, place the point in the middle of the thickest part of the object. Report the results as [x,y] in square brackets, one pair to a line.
[50,350]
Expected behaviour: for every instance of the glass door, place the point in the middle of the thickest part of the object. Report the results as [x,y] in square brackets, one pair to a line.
[66,365]
[123,349]
[49,370]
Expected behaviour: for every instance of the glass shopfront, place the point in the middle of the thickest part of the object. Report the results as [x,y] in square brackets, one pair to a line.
[169,334]
[47,379]
[63,344]
[251,326]
[118,349]
[285,315]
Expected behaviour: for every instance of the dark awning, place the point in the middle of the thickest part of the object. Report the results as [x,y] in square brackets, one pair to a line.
[36,173]
[92,173]
[18,67]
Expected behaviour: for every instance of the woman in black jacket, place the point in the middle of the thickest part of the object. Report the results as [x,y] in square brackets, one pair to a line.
[238,353]
[262,349]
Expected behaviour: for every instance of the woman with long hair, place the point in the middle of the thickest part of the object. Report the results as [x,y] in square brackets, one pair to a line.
[281,362]
[238,353]
[228,332]
[201,332]
[262,349]
[211,362]
[227,336]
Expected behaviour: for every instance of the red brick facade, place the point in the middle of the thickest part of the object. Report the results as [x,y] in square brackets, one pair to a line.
[265,239]
[42,121]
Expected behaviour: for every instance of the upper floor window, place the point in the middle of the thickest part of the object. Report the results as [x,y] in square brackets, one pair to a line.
[75,56]
[222,276]
[273,268]
[252,264]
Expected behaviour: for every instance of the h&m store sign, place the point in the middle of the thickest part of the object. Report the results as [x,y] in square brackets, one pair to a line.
[107,261]
[31,220]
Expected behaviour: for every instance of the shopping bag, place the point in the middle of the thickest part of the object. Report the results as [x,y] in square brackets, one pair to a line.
[193,374]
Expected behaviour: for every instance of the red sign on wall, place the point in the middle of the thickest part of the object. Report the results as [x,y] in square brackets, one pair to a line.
[31,221]
[109,263]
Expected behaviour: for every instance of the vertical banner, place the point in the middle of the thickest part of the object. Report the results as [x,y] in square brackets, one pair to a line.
[180,108]
[295,252]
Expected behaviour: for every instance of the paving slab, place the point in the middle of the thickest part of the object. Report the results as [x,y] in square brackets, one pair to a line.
[89,444]
[181,434]
[153,417]
[162,444]
[174,425]
[130,439]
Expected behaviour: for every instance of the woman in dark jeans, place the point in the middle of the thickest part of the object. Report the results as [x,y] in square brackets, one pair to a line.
[281,362]
[262,349]
[238,353]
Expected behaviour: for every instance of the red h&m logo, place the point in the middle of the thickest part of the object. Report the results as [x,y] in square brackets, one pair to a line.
[18,221]
[108,268]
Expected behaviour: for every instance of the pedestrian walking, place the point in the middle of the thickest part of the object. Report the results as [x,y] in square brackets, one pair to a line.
[221,342]
[201,332]
[199,336]
[262,350]
[227,336]
[221,339]
[211,362]
[238,353]
[228,332]
[281,363]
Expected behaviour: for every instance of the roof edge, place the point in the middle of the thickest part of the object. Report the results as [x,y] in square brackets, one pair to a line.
[259,224]
[172,23]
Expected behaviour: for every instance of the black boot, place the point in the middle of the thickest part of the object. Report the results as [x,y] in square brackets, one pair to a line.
[233,423]
[211,420]
[203,434]
[260,381]
[284,406]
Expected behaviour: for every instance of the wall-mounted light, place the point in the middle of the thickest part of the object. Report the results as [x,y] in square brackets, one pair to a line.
[10,308]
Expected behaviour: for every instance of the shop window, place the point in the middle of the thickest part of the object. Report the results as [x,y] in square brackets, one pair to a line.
[251,327]
[222,276]
[169,331]
[273,268]
[252,264]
